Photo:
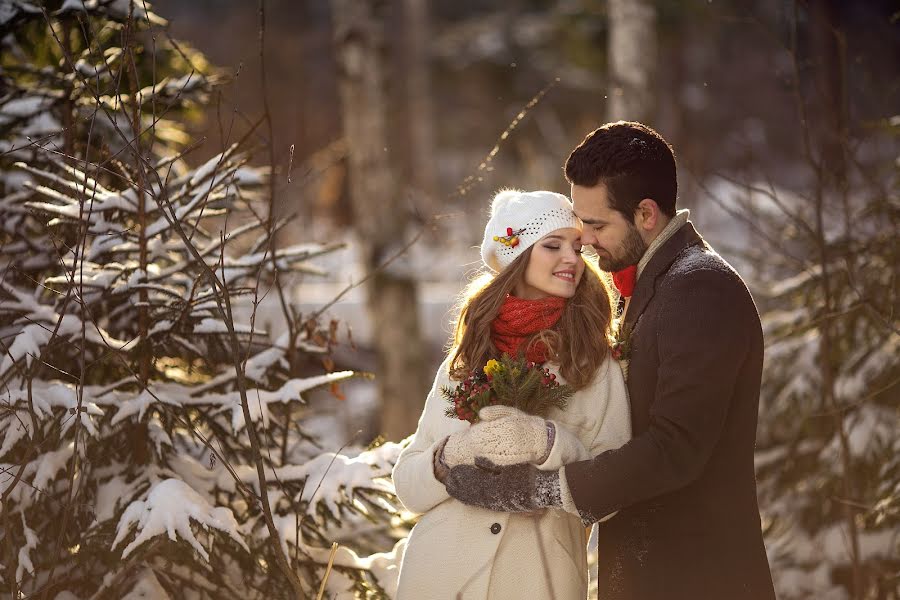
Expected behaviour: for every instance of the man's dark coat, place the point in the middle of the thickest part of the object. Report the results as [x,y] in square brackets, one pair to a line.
[688,526]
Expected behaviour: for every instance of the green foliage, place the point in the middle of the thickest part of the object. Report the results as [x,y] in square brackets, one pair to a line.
[512,382]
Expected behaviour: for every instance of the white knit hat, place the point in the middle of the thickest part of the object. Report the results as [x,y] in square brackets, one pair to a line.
[518,220]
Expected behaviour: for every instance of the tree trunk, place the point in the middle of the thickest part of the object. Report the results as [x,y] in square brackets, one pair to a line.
[827,44]
[381,219]
[632,60]
[418,94]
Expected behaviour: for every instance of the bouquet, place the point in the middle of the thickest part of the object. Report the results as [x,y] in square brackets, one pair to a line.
[509,381]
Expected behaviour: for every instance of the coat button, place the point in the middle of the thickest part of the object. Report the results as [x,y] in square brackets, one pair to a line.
[495,528]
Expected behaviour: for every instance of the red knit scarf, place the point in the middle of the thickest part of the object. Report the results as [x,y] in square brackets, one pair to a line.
[519,319]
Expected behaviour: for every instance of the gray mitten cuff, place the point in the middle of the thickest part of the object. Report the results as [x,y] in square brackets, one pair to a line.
[565,495]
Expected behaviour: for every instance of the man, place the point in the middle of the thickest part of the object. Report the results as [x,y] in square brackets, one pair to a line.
[688,524]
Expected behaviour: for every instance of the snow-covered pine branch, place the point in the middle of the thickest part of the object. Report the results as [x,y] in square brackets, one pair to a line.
[126,467]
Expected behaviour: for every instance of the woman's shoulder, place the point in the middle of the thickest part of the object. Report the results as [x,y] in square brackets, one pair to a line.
[608,368]
[583,406]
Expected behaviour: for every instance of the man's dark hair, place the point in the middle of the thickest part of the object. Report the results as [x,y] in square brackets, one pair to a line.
[632,160]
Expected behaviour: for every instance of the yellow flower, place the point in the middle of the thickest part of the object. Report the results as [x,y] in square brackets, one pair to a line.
[492,366]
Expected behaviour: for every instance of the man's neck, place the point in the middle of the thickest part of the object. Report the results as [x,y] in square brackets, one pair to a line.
[661,225]
[671,226]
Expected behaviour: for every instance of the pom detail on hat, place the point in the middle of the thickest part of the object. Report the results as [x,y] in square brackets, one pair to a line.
[503,199]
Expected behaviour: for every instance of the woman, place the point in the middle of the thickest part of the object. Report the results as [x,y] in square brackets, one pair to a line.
[544,300]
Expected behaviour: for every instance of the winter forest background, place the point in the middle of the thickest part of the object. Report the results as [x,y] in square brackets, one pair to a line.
[233,233]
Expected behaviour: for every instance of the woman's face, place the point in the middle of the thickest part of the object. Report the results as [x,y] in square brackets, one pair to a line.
[554,268]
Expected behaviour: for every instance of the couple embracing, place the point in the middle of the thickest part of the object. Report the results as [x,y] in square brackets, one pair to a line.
[655,442]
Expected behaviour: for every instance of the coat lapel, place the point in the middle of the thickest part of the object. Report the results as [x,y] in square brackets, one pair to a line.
[658,265]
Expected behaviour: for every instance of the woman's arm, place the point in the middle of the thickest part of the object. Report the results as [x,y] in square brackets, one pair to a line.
[609,411]
[414,478]
[613,408]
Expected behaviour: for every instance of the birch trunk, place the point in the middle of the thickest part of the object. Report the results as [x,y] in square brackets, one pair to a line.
[418,94]
[632,60]
[380,217]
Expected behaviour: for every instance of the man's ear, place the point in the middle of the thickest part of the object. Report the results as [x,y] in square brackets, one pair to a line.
[646,215]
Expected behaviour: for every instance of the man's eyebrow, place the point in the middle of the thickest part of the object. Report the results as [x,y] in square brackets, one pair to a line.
[593,221]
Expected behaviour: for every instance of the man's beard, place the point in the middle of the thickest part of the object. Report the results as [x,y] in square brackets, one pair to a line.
[630,252]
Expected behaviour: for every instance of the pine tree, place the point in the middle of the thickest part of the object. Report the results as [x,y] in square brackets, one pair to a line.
[823,257]
[153,436]
[828,467]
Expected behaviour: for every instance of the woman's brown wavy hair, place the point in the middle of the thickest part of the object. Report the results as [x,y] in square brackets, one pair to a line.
[578,343]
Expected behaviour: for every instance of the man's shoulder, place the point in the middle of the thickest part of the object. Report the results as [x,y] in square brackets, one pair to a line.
[698,275]
[700,263]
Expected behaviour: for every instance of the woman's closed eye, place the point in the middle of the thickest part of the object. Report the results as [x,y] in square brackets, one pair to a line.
[576,249]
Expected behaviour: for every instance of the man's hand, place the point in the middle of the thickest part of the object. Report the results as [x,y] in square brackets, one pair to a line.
[504,436]
[515,488]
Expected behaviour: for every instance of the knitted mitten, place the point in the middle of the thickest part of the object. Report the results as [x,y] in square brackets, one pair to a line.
[516,488]
[503,435]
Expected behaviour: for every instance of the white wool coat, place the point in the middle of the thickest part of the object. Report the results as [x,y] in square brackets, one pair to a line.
[459,551]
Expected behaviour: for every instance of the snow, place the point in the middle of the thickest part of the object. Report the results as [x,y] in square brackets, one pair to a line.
[211,325]
[260,364]
[90,275]
[49,464]
[199,476]
[40,125]
[36,475]
[247,176]
[118,9]
[139,405]
[25,106]
[147,587]
[31,541]
[158,434]
[332,479]
[213,165]
[869,428]
[170,507]
[110,494]
[33,337]
[74,5]
[856,377]
[10,8]
[161,326]
[384,566]
[14,429]
[286,259]
[328,474]
[47,395]
[259,400]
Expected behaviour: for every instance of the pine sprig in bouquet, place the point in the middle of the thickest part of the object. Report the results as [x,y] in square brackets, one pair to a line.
[515,382]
